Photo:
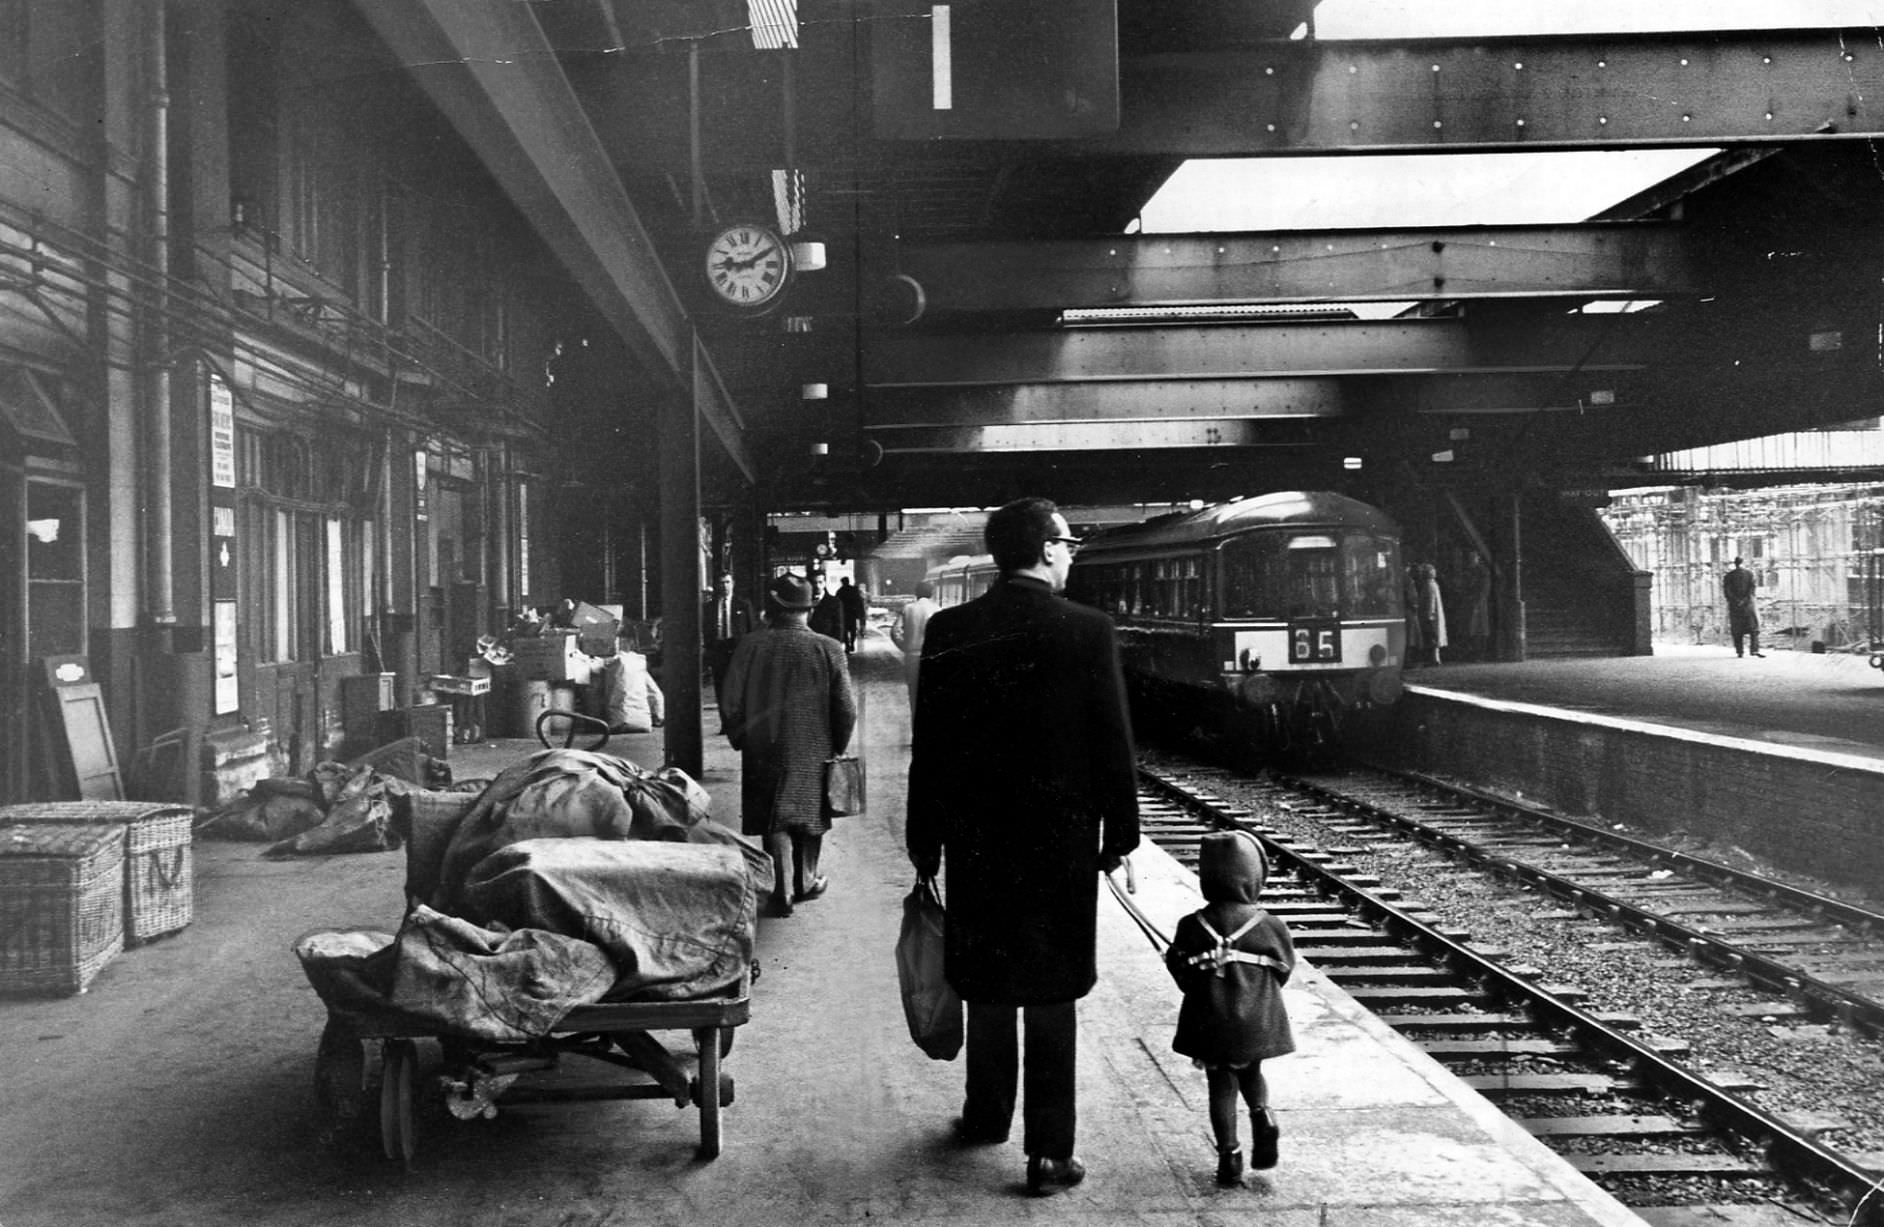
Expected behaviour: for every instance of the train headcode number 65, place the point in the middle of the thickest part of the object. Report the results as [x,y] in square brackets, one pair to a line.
[1314,642]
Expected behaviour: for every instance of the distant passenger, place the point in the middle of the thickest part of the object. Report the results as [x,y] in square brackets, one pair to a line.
[1022,776]
[1477,588]
[1231,959]
[1432,610]
[1743,622]
[827,612]
[850,599]
[724,621]
[908,632]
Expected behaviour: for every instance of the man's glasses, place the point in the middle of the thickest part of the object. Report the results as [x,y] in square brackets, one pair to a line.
[1071,543]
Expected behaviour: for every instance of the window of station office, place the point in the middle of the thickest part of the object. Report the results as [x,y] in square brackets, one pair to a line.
[55,569]
[306,556]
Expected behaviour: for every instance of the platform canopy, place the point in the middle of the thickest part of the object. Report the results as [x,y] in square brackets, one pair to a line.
[977,310]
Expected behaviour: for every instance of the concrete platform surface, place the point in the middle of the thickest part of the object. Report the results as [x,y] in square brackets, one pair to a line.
[177,1091]
[1831,702]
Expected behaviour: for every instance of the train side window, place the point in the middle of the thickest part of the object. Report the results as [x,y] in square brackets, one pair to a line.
[1371,575]
[1315,583]
[1255,576]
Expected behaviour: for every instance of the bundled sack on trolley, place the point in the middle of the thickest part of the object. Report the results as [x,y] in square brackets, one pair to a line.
[574,877]
[335,808]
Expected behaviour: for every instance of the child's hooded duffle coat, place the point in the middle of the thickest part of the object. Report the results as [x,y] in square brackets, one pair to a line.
[1232,1012]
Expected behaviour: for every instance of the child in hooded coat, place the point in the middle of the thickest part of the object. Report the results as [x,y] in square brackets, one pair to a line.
[1231,959]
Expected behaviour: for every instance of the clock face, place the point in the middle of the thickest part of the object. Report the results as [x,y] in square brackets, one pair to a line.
[747,265]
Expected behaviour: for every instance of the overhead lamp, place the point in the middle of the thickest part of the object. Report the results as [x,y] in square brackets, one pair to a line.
[1603,396]
[1444,457]
[820,449]
[808,256]
[1459,434]
[1351,462]
[814,391]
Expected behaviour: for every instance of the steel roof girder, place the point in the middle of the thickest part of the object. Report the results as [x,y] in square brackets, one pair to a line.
[1040,411]
[1725,87]
[1037,438]
[1607,259]
[1262,350]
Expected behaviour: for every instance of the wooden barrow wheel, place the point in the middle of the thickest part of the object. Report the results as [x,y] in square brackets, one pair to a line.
[346,1084]
[395,1100]
[710,1043]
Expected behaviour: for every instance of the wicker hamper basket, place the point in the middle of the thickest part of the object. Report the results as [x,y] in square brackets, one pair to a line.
[159,865]
[61,905]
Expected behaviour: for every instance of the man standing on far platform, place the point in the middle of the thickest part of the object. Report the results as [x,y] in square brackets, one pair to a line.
[1022,776]
[1743,622]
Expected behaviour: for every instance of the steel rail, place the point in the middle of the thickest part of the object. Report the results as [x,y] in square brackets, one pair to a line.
[1787,1149]
[1837,911]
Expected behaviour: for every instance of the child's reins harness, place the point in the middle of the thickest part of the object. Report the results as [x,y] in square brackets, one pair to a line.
[1225,950]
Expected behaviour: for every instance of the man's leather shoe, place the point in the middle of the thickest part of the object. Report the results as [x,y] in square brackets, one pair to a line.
[1761,655]
[778,907]
[1048,1176]
[818,886]
[972,1133]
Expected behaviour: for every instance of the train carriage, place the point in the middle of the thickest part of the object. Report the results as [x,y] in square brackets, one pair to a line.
[962,578]
[1279,618]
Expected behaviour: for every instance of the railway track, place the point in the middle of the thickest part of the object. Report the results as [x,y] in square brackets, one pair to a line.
[1623,1106]
[1822,955]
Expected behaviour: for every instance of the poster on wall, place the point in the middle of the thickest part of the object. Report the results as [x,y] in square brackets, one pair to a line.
[222,464]
[523,541]
[228,697]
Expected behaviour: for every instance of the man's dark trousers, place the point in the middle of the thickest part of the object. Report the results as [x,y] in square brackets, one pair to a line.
[1047,1111]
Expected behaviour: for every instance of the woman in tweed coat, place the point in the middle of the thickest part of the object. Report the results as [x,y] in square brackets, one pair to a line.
[787,706]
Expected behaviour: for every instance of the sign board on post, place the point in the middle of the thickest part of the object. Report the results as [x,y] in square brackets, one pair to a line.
[994,69]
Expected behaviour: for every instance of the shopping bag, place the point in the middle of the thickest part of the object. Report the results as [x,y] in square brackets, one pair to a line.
[843,786]
[930,1007]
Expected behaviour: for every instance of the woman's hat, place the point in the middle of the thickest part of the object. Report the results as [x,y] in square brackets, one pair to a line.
[788,591]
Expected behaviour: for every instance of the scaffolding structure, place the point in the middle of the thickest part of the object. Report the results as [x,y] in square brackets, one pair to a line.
[1815,552]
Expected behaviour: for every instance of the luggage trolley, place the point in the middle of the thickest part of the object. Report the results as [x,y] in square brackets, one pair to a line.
[367,1063]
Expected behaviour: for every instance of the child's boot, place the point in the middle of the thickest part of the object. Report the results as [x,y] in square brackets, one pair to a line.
[1262,1147]
[1230,1167]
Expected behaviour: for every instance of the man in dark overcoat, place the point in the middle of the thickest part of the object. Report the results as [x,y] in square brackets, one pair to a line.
[788,705]
[1022,776]
[1743,620]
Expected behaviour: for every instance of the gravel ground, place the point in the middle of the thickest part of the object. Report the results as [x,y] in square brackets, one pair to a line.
[1807,1073]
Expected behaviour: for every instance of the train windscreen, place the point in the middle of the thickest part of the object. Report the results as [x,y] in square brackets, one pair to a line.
[1311,575]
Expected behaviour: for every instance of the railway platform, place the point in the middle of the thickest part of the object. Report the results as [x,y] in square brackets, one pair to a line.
[1829,702]
[178,1089]
[1780,757]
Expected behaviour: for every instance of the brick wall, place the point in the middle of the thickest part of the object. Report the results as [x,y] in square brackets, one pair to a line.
[1809,811]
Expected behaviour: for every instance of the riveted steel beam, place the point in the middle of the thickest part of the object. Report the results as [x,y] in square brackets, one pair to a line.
[1600,260]
[1727,87]
[1310,97]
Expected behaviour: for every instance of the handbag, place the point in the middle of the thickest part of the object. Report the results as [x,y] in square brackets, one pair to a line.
[931,1007]
[843,786]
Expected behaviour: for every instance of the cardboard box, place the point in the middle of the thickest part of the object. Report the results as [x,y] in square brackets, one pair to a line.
[553,656]
[596,629]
